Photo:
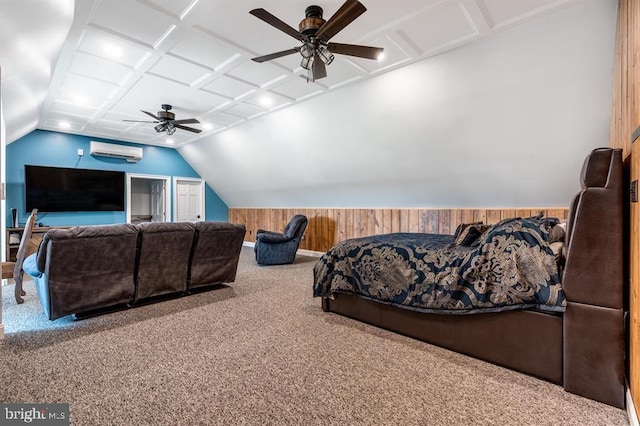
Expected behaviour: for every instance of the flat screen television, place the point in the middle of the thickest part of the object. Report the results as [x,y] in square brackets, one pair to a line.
[60,189]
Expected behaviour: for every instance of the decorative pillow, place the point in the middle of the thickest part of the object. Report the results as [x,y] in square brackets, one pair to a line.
[556,233]
[29,266]
[462,226]
[470,233]
[556,248]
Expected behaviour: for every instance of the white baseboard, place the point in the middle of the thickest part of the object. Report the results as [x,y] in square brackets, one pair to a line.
[301,252]
[631,410]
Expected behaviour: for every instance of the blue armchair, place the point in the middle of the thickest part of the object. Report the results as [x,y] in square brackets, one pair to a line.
[275,248]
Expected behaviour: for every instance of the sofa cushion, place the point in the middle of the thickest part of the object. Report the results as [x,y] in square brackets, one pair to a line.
[89,267]
[216,253]
[163,264]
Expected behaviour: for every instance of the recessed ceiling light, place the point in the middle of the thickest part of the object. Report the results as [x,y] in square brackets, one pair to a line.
[64,125]
[169,141]
[112,50]
[266,101]
[381,57]
[207,126]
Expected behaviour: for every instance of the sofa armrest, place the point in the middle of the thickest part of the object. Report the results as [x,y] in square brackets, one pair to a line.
[41,254]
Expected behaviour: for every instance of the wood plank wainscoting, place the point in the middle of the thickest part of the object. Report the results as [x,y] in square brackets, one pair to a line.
[326,227]
[625,128]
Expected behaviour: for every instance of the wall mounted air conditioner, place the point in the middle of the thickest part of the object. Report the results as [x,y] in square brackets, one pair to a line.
[130,153]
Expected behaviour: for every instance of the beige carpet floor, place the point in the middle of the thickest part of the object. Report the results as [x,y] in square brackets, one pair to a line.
[262,352]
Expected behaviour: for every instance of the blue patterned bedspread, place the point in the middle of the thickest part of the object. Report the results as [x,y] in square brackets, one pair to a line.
[511,267]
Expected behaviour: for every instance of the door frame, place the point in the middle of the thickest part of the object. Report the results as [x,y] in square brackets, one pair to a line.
[167,189]
[175,194]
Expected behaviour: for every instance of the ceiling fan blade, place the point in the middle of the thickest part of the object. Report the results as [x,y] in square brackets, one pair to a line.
[272,20]
[141,121]
[152,115]
[190,129]
[347,13]
[355,50]
[318,69]
[185,121]
[276,55]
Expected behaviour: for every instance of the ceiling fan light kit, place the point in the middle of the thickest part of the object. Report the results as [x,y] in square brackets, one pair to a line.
[314,33]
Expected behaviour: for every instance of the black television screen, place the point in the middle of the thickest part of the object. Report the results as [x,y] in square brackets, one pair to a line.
[59,189]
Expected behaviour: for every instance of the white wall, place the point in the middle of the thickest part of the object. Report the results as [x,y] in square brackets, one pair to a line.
[503,122]
[32,34]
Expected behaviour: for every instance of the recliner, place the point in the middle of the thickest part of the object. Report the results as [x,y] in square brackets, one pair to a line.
[275,248]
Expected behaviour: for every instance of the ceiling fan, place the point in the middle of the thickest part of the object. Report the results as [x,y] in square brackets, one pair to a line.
[315,33]
[166,121]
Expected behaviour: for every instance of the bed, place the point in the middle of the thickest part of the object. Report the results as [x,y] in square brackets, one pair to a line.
[505,293]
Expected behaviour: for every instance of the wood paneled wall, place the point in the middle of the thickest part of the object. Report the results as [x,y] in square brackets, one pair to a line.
[326,227]
[625,119]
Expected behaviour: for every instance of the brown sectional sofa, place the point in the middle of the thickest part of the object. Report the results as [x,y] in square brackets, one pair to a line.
[88,269]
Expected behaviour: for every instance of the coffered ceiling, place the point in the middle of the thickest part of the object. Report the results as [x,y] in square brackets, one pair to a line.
[123,56]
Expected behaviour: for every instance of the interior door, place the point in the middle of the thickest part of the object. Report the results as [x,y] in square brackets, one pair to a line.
[158,213]
[189,200]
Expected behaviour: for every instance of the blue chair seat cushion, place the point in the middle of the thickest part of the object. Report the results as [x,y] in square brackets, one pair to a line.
[30,266]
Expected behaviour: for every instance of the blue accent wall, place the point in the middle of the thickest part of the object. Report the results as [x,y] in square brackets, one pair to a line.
[45,148]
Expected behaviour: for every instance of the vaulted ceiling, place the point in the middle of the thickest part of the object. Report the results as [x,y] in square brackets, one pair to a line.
[86,70]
